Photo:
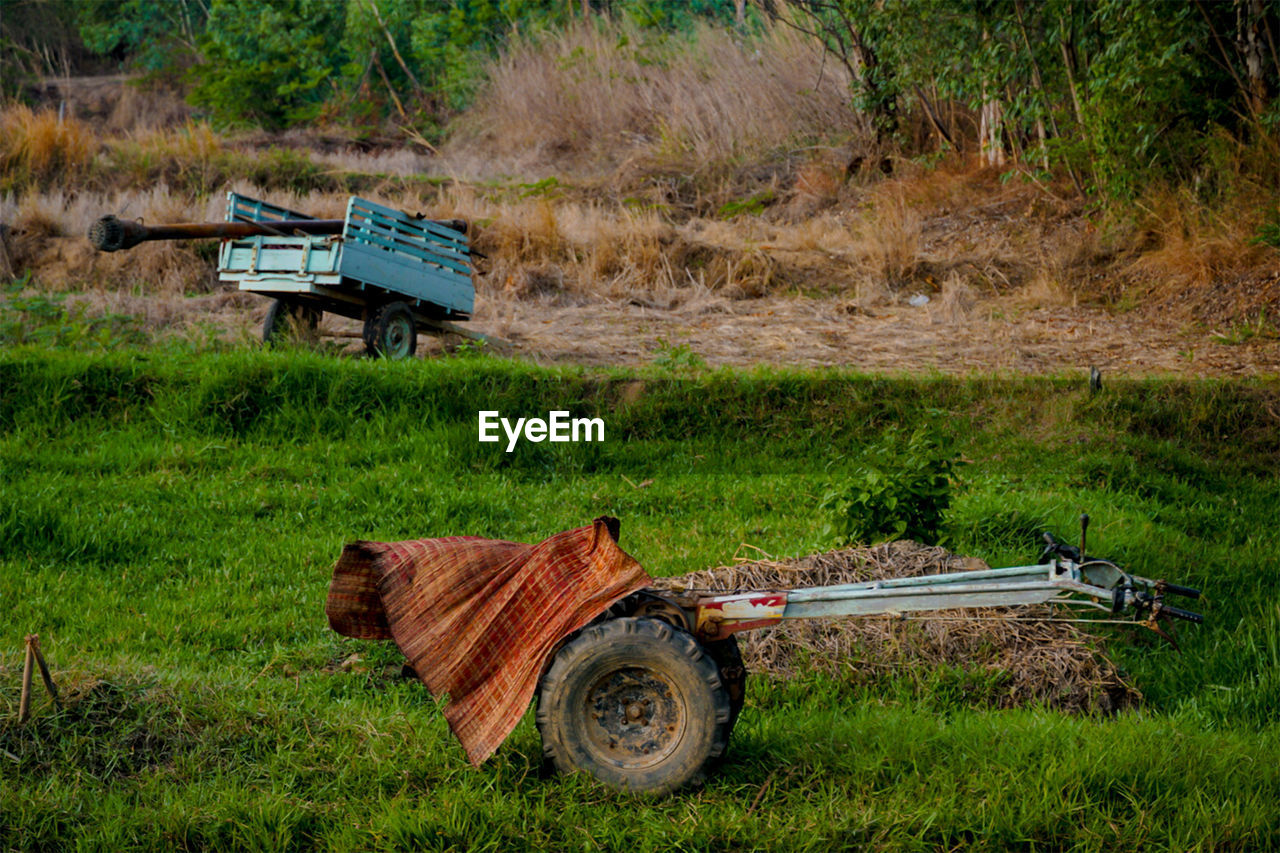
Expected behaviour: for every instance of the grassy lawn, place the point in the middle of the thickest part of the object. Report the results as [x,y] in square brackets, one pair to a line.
[168,520]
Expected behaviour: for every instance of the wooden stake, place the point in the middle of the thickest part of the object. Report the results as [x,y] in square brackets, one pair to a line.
[44,671]
[24,704]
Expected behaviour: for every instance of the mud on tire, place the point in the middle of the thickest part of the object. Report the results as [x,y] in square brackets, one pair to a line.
[636,703]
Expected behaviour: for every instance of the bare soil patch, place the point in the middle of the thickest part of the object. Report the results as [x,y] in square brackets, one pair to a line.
[990,336]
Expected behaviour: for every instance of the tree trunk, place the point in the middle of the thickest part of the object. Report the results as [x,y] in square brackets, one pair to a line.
[933,117]
[990,125]
[1250,42]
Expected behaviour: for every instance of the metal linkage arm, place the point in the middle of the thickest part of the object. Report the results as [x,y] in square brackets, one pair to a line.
[1095,583]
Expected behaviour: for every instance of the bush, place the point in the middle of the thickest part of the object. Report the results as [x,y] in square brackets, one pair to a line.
[896,492]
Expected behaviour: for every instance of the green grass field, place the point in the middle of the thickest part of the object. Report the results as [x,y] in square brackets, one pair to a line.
[168,520]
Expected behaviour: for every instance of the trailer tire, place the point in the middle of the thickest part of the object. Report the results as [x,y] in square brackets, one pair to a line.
[290,321]
[637,704]
[391,332]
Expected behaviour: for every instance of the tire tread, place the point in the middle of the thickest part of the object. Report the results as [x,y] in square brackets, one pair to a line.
[659,779]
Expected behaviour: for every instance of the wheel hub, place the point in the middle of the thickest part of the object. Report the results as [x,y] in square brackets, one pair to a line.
[397,339]
[635,717]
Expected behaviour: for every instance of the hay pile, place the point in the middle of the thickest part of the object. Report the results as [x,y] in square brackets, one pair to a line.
[1030,662]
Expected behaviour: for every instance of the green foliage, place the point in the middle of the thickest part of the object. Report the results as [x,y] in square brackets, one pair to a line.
[270,64]
[450,46]
[1268,233]
[155,35]
[1151,91]
[1119,92]
[898,491]
[281,63]
[753,205]
[677,357]
[548,187]
[471,348]
[39,318]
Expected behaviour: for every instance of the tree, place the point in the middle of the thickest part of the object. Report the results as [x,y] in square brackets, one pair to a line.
[857,33]
[155,35]
[269,63]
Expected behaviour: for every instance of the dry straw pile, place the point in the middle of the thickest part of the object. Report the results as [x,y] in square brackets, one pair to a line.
[1040,663]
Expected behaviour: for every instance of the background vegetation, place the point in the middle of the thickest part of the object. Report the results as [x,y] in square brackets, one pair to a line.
[1113,92]
[1115,153]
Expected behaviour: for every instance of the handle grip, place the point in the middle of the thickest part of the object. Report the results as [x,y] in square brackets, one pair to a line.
[1179,613]
[1184,591]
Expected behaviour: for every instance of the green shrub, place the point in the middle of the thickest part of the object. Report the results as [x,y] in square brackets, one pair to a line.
[896,492]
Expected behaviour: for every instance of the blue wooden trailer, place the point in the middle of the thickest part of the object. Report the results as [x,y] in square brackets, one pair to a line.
[397,273]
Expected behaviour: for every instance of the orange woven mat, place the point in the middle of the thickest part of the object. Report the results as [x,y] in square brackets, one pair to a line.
[477,618]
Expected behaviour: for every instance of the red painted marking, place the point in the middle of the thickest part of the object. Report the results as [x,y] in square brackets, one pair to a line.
[776,599]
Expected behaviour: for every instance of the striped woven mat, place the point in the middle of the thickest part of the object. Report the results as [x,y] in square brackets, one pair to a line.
[477,618]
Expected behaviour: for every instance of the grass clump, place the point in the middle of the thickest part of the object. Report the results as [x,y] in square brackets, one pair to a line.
[41,146]
[564,101]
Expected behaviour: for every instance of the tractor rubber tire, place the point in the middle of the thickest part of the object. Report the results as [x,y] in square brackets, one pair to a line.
[637,704]
[391,332]
[290,321]
[733,673]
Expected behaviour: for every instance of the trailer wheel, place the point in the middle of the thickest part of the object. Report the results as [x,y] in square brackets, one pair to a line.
[289,320]
[637,704]
[391,332]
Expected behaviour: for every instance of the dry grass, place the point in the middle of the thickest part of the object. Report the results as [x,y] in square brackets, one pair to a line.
[956,303]
[402,162]
[1036,662]
[49,230]
[592,98]
[589,250]
[1189,246]
[887,237]
[1193,259]
[192,147]
[37,145]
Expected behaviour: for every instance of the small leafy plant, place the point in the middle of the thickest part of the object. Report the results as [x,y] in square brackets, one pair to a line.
[1243,333]
[29,317]
[471,348]
[677,356]
[751,206]
[1268,233]
[896,492]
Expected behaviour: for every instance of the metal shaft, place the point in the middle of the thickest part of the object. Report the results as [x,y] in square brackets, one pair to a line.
[110,234]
